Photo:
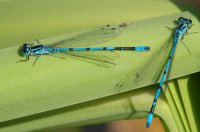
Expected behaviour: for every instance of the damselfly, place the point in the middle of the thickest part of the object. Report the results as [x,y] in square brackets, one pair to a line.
[75,46]
[183,25]
[160,55]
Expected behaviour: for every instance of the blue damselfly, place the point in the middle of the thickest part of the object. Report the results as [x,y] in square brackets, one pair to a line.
[75,46]
[163,56]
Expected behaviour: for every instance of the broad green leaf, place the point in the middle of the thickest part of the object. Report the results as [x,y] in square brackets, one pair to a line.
[60,92]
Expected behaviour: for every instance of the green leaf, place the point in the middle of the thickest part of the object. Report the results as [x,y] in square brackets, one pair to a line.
[67,92]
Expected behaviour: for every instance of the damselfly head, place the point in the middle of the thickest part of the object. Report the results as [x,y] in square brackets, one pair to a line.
[26,49]
[185,20]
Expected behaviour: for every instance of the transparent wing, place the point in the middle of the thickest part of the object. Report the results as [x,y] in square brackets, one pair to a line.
[150,72]
[101,58]
[92,37]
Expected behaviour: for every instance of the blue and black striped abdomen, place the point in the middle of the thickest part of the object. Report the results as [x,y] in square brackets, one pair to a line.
[137,48]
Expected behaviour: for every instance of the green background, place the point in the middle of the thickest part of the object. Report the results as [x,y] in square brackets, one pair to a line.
[60,92]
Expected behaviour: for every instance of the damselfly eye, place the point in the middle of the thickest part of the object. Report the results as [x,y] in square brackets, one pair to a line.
[180,19]
[20,51]
[26,49]
[189,21]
